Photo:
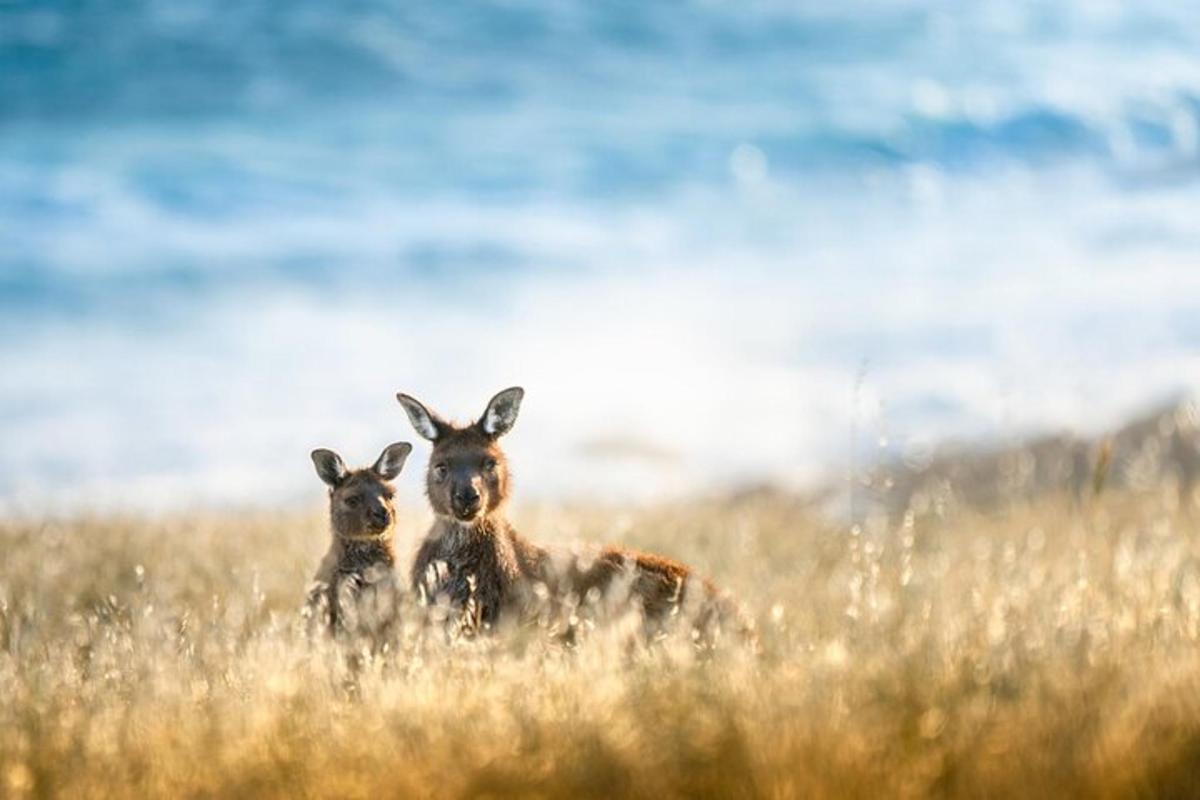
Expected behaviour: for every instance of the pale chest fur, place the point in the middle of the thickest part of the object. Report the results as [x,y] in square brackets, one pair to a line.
[349,568]
[482,568]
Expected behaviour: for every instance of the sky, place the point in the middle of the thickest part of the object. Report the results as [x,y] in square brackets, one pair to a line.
[719,244]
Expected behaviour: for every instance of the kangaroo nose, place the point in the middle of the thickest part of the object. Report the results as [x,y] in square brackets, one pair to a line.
[379,516]
[467,496]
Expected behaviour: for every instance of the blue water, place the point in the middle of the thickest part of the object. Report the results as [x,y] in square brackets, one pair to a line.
[717,241]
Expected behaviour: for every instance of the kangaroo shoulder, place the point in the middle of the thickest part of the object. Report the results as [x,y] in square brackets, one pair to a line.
[329,563]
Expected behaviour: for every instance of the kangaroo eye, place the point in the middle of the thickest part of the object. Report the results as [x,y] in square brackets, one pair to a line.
[439,471]
[490,465]
[354,501]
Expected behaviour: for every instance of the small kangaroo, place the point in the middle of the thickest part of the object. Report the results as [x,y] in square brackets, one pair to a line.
[361,554]
[473,558]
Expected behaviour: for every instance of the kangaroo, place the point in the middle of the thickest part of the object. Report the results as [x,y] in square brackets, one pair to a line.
[361,554]
[474,559]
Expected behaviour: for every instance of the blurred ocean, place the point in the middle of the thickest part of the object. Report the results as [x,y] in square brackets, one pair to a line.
[717,242]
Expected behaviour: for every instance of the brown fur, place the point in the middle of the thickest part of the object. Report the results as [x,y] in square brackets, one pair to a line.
[482,567]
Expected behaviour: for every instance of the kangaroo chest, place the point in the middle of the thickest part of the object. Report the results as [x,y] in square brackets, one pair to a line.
[471,568]
[360,558]
[356,576]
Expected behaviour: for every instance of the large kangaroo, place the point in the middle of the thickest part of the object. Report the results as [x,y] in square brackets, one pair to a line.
[473,558]
[362,553]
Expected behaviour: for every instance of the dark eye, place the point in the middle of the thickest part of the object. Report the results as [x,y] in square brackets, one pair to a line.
[490,465]
[439,471]
[354,501]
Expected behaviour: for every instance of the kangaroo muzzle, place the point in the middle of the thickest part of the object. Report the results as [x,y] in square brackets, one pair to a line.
[465,502]
[379,519]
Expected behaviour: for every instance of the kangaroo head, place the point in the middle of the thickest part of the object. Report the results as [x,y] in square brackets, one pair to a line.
[468,474]
[360,501]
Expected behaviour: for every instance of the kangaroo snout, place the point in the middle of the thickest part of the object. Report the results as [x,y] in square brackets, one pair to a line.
[466,501]
[379,517]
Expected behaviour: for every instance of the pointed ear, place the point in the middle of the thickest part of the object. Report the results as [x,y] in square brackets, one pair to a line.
[330,467]
[391,460]
[501,413]
[426,424]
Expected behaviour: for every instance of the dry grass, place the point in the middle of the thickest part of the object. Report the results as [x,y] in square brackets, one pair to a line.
[1042,651]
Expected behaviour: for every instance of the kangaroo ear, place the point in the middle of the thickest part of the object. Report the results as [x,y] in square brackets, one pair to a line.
[426,424]
[391,460]
[501,413]
[330,467]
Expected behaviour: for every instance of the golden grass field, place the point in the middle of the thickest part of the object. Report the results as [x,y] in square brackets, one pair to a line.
[1043,649]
